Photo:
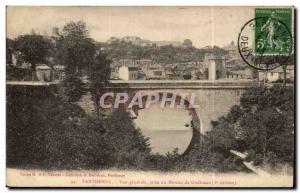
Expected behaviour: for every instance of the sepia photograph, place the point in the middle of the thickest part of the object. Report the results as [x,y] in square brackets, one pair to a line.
[150,96]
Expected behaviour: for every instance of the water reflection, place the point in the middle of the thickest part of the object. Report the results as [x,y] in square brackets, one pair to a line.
[167,128]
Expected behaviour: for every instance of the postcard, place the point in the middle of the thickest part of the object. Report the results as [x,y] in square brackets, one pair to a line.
[194,97]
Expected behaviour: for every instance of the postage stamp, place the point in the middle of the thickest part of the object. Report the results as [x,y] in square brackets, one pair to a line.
[273,31]
[266,42]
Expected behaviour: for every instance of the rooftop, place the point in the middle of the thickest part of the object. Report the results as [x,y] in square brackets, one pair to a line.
[43,67]
[133,68]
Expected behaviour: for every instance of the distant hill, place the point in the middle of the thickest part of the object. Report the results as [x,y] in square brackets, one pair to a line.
[132,47]
[135,40]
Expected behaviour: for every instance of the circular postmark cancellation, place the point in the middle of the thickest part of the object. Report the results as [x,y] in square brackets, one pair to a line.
[265,43]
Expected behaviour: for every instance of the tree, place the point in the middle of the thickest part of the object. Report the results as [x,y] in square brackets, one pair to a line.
[270,116]
[9,50]
[60,135]
[34,49]
[262,125]
[187,75]
[187,43]
[75,49]
[71,88]
[130,149]
[290,61]
[99,75]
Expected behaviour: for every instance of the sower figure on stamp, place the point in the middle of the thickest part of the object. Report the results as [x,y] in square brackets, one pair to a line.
[270,28]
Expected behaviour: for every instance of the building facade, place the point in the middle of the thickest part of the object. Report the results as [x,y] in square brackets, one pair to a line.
[277,74]
[128,73]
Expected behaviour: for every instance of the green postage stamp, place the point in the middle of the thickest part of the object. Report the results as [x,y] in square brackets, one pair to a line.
[266,41]
[273,31]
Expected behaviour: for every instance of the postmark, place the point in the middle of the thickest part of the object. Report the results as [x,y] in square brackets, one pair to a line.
[265,42]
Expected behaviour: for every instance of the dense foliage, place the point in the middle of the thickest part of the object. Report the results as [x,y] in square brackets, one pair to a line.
[50,133]
[9,50]
[71,88]
[262,125]
[75,49]
[99,74]
[33,48]
[83,60]
[53,133]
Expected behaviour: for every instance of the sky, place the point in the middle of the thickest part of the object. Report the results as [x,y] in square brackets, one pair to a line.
[205,26]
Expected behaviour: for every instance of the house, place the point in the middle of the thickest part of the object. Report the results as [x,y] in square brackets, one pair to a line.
[126,62]
[290,71]
[277,74]
[58,72]
[195,64]
[233,58]
[116,64]
[44,73]
[231,49]
[231,63]
[128,73]
[114,75]
[240,74]
[151,70]
[234,63]
[143,62]
[202,66]
[156,72]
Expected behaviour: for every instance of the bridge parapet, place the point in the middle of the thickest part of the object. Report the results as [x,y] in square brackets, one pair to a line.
[183,84]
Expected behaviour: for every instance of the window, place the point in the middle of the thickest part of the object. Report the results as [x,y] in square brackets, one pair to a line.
[133,75]
[157,73]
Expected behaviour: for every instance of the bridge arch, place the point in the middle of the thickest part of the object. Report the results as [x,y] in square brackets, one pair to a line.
[195,122]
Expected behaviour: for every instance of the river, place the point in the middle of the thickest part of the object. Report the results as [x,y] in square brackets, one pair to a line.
[167,128]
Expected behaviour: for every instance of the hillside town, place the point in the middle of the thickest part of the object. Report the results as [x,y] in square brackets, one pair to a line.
[212,66]
[229,66]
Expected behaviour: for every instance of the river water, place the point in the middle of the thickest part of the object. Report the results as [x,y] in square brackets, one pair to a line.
[167,128]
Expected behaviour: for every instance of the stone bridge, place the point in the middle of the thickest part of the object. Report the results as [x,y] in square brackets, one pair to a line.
[215,98]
